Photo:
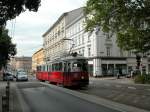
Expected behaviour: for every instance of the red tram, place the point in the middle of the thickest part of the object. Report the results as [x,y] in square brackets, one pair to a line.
[68,71]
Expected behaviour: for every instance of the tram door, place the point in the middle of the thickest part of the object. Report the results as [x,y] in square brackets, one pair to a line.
[67,71]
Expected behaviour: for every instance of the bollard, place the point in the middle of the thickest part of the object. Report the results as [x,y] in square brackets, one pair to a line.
[8,83]
[4,104]
[7,97]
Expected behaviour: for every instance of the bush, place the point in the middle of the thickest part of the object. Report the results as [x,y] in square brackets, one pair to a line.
[139,79]
[142,79]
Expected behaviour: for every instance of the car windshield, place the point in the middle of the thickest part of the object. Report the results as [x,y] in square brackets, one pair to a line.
[22,73]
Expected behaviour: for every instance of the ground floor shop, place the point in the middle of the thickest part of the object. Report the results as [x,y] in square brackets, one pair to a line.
[112,66]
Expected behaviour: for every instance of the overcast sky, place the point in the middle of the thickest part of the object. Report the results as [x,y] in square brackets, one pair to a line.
[28,28]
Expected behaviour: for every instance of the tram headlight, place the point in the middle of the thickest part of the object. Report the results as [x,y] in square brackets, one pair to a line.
[82,77]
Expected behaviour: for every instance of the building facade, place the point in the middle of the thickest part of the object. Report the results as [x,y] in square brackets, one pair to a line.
[24,63]
[37,59]
[55,44]
[105,57]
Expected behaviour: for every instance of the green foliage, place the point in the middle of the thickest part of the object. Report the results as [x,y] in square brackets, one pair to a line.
[128,19]
[7,48]
[142,79]
[12,8]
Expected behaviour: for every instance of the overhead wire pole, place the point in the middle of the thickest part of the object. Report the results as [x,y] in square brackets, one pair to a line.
[72,44]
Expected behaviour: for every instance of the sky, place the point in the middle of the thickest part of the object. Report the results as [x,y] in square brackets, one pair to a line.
[27,29]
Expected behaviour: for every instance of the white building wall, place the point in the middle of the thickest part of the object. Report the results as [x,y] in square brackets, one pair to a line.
[97,46]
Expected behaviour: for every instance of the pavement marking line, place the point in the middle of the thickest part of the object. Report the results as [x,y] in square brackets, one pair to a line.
[107,84]
[90,82]
[118,97]
[98,100]
[118,86]
[148,89]
[130,87]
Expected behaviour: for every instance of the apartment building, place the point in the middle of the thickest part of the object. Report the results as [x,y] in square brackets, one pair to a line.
[55,44]
[37,59]
[24,63]
[104,56]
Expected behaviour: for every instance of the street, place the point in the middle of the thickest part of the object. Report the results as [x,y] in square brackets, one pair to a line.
[35,96]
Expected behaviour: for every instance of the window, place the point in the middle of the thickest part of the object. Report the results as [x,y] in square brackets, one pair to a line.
[82,39]
[108,51]
[107,36]
[89,51]
[79,52]
[88,38]
[121,52]
[83,51]
[79,40]
[129,53]
[79,27]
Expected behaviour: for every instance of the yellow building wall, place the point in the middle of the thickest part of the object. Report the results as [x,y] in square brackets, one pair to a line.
[37,59]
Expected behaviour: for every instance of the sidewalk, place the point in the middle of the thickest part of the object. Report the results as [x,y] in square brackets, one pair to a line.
[122,80]
[14,104]
[2,92]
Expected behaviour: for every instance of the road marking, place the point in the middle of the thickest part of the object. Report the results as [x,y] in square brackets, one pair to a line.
[148,89]
[130,87]
[90,82]
[118,86]
[107,84]
[143,96]
[119,96]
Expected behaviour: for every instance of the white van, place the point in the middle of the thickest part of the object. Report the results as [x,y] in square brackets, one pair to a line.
[21,76]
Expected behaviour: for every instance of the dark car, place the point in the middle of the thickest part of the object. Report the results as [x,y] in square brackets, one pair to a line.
[8,76]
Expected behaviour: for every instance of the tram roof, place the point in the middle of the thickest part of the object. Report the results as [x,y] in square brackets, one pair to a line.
[68,58]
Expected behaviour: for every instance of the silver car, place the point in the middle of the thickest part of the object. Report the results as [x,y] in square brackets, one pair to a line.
[21,76]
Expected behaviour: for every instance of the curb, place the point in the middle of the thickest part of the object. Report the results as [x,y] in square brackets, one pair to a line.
[98,100]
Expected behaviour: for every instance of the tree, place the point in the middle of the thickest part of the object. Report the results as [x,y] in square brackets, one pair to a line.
[7,48]
[128,19]
[9,9]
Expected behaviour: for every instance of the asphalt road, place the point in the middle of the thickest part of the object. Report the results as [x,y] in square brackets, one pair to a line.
[39,98]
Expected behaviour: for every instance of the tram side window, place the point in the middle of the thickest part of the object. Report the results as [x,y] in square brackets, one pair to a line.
[53,67]
[38,68]
[65,67]
[69,67]
[49,67]
[76,66]
[85,67]
[57,67]
[60,66]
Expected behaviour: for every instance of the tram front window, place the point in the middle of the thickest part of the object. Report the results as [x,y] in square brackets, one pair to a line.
[76,66]
[79,66]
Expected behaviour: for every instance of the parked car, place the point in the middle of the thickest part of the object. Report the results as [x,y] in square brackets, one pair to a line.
[21,76]
[7,76]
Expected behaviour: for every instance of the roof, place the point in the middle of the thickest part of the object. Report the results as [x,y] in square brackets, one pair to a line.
[38,51]
[64,14]
[70,16]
